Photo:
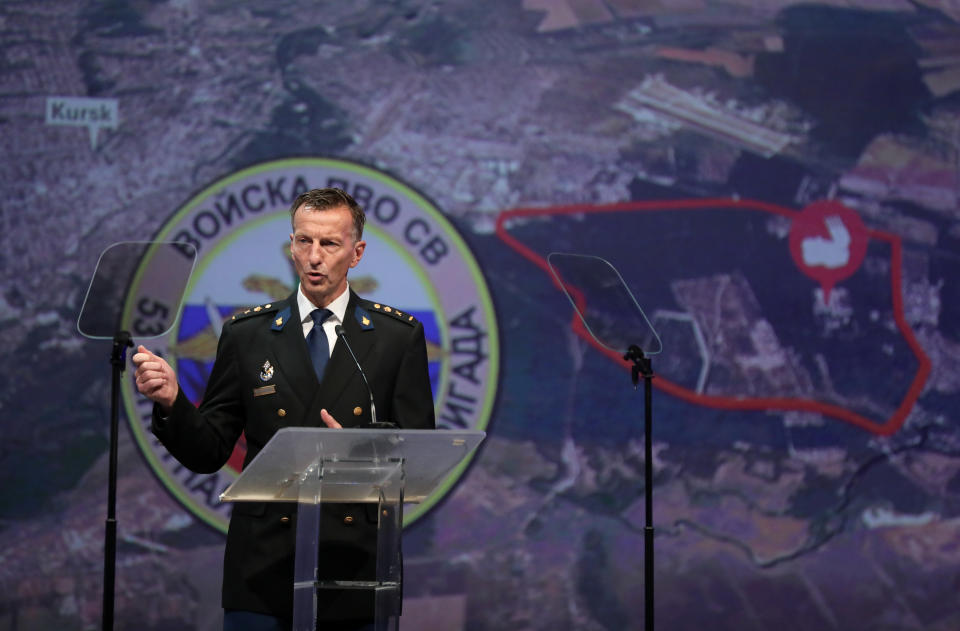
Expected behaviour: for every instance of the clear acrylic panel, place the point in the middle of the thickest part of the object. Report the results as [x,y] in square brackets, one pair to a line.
[604,303]
[138,286]
[355,463]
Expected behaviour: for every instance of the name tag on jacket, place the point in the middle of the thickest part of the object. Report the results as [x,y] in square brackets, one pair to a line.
[262,390]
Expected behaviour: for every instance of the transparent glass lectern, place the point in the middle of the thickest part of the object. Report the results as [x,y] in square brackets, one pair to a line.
[313,466]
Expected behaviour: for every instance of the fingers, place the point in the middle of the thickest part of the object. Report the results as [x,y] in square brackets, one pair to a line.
[150,380]
[328,420]
[143,355]
[149,366]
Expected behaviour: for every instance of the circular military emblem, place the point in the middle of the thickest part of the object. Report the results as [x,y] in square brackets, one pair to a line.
[415,260]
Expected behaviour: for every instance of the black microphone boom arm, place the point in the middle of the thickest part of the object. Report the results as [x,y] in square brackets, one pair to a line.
[373,408]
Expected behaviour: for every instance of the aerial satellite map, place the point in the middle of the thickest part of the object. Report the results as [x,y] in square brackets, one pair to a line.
[774,182]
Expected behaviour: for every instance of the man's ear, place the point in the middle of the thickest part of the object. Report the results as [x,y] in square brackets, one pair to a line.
[358,249]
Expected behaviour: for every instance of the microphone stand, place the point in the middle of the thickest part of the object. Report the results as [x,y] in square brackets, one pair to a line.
[121,341]
[373,408]
[642,368]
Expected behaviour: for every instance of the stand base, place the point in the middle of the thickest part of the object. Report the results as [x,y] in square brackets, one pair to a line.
[386,597]
[388,478]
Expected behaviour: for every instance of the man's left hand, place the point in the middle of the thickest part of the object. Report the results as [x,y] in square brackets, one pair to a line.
[329,421]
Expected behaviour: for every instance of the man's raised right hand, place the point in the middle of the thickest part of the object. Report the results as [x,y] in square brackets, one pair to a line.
[155,378]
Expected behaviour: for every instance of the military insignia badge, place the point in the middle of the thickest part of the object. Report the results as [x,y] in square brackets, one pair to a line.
[266,372]
[416,247]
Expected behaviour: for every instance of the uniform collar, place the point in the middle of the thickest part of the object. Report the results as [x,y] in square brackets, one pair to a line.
[338,307]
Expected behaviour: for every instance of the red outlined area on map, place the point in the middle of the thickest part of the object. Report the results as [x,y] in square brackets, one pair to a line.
[885,428]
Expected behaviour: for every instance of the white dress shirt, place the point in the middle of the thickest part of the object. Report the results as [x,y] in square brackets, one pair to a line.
[338,307]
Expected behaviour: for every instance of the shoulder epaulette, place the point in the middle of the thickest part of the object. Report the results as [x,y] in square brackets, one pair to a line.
[252,311]
[391,311]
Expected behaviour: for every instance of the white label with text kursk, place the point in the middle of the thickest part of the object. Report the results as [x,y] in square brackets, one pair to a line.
[82,111]
[415,261]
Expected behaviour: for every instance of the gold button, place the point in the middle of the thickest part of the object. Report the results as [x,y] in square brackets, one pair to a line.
[348,520]
[385,512]
[357,411]
[284,520]
[281,412]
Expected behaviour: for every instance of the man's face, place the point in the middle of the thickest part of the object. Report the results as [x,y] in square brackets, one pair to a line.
[323,249]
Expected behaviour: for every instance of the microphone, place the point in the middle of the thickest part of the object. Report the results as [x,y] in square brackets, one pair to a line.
[373,408]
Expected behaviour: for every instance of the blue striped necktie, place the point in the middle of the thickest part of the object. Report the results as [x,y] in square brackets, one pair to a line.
[317,342]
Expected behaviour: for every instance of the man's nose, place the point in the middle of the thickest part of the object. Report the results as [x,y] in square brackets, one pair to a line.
[316,255]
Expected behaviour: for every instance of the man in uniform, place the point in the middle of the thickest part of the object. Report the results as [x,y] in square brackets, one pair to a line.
[281,365]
